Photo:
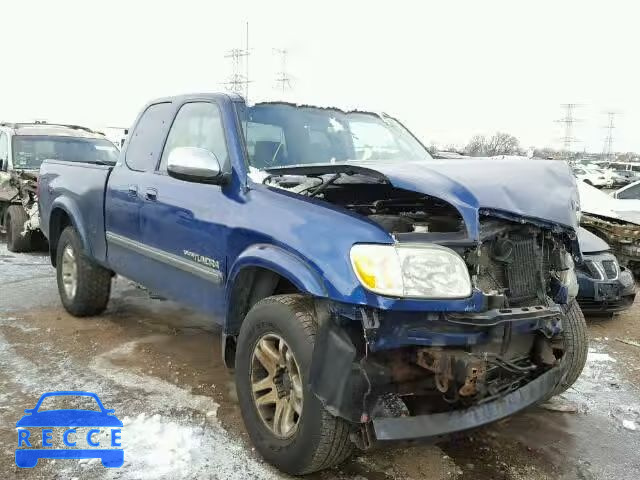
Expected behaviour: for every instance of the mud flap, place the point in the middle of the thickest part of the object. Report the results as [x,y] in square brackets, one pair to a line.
[335,376]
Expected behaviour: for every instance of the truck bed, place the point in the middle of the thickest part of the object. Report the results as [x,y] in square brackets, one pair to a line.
[77,189]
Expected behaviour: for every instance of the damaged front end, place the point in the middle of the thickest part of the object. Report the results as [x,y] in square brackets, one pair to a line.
[427,366]
[415,374]
[623,237]
[447,376]
[610,219]
[24,189]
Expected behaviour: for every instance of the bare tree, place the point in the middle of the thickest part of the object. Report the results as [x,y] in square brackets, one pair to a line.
[476,146]
[503,144]
[498,144]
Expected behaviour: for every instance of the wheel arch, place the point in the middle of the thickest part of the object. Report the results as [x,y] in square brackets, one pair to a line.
[63,215]
[259,272]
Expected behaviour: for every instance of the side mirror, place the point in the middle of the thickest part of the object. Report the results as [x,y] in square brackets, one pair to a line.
[194,164]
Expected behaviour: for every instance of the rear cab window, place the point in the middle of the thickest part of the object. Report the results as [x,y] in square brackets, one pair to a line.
[143,151]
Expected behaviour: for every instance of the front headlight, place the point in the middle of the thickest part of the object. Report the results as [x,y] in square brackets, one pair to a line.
[417,271]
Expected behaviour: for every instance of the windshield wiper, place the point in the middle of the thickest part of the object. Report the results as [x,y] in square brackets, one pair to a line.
[100,162]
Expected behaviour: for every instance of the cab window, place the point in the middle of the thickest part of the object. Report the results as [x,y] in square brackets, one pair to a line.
[197,124]
[143,151]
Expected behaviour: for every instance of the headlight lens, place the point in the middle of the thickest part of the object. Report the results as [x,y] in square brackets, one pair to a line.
[424,271]
[378,268]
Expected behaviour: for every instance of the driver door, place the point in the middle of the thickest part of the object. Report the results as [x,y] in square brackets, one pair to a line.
[185,223]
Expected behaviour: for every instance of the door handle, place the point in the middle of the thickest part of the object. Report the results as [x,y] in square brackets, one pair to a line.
[133,190]
[151,194]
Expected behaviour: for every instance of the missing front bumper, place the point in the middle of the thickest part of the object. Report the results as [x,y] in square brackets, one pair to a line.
[439,424]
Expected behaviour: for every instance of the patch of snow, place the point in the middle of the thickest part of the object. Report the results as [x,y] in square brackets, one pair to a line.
[336,126]
[171,440]
[256,175]
[600,357]
[166,446]
[629,425]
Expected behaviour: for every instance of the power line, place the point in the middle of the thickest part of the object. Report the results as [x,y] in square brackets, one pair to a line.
[568,121]
[238,82]
[282,77]
[607,149]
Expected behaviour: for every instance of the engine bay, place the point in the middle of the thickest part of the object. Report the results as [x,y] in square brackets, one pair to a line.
[518,264]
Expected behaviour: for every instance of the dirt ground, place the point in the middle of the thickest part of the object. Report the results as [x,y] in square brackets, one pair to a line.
[158,365]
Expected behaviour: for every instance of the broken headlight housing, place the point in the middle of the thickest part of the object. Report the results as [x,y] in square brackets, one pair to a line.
[566,276]
[412,271]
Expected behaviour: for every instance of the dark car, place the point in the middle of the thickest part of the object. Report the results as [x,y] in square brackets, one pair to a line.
[605,286]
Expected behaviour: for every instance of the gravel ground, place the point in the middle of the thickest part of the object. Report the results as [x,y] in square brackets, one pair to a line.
[158,365]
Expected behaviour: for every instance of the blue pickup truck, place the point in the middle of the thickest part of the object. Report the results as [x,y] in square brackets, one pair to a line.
[366,292]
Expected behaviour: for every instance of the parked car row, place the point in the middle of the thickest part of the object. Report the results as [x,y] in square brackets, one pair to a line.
[593,176]
[607,174]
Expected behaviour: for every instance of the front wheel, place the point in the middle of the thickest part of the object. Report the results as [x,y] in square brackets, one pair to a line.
[17,239]
[576,346]
[287,423]
[83,285]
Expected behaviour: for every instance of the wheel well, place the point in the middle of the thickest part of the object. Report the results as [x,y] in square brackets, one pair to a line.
[3,210]
[59,221]
[251,285]
[4,207]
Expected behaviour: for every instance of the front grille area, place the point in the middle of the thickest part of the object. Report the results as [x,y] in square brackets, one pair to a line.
[513,265]
[523,271]
[610,269]
[602,269]
[593,270]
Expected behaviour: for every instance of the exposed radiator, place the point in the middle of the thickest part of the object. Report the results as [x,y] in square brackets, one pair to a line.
[523,272]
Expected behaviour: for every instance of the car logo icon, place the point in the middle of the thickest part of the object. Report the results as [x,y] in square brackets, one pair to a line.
[69,419]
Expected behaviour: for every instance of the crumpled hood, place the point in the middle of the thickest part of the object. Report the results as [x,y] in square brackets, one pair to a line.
[543,190]
[590,243]
[596,202]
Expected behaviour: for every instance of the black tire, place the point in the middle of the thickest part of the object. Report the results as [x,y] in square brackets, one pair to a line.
[15,218]
[93,281]
[576,346]
[321,440]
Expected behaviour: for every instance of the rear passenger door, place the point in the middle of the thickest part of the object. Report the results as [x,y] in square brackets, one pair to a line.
[185,224]
[123,197]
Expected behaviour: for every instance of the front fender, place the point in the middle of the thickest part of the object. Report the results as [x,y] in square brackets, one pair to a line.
[282,262]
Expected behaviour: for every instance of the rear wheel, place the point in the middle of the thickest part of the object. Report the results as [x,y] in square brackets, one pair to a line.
[17,241]
[287,423]
[84,286]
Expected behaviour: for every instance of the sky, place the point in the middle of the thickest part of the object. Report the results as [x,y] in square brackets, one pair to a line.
[447,69]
